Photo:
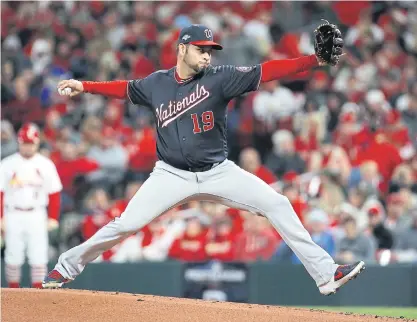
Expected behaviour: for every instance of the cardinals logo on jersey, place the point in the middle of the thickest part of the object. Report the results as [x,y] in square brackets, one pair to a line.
[27,178]
[14,181]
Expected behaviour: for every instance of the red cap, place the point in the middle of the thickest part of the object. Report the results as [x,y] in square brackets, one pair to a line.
[348,117]
[374,211]
[28,133]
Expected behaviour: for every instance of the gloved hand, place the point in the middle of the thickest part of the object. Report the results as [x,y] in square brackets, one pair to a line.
[328,44]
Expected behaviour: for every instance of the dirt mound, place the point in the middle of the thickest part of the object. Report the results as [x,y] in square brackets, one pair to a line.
[24,305]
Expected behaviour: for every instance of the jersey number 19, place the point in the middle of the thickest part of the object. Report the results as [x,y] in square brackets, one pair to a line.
[208,122]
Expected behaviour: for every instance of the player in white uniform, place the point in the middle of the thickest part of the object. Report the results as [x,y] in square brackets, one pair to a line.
[30,190]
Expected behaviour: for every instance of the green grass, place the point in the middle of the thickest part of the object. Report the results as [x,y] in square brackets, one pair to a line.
[406,312]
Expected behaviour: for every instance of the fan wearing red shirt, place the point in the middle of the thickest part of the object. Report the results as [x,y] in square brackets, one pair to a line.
[141,147]
[250,160]
[292,192]
[113,118]
[396,133]
[348,12]
[351,136]
[385,154]
[50,130]
[90,226]
[221,245]
[117,208]
[257,241]
[69,165]
[190,247]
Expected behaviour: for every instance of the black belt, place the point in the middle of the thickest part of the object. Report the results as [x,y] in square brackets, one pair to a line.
[203,168]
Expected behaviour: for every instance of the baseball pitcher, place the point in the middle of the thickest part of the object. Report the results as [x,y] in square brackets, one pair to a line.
[30,203]
[189,104]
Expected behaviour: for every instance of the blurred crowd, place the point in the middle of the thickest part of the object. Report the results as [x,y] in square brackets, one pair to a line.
[340,142]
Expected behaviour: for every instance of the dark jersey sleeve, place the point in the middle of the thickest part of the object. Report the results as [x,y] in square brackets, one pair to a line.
[140,91]
[239,80]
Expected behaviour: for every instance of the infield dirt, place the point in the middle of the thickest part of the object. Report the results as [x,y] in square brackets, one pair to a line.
[66,305]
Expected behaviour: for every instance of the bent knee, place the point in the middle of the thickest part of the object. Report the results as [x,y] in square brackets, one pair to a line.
[278,202]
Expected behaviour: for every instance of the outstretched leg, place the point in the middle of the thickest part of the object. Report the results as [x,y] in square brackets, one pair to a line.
[166,188]
[231,185]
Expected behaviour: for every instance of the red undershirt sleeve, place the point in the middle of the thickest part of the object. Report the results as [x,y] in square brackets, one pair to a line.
[113,89]
[54,205]
[276,69]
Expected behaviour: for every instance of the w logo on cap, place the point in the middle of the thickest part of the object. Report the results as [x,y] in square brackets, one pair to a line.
[209,33]
[186,37]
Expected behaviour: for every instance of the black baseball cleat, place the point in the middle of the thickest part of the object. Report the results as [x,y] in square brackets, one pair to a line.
[54,280]
[343,274]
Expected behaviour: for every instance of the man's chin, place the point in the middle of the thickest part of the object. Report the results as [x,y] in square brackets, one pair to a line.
[202,68]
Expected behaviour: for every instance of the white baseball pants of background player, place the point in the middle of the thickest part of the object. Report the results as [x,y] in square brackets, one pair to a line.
[26,232]
[168,187]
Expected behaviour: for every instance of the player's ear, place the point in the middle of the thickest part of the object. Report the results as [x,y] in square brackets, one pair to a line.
[182,49]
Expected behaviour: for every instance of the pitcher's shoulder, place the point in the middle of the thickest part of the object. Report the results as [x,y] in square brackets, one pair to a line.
[158,74]
[162,72]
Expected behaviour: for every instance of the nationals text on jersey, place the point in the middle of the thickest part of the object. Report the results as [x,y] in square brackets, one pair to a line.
[175,109]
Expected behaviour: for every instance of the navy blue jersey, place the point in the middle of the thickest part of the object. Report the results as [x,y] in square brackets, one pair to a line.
[191,115]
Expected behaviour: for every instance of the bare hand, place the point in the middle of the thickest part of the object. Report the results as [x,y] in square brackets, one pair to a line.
[52,224]
[70,87]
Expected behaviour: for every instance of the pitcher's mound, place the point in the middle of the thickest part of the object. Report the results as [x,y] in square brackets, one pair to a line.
[24,305]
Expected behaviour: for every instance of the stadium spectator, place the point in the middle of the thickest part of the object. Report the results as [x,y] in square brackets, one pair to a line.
[8,139]
[191,245]
[409,113]
[318,137]
[355,245]
[283,157]
[291,190]
[221,241]
[118,206]
[382,235]
[331,193]
[238,48]
[250,161]
[317,223]
[406,245]
[274,102]
[363,197]
[365,33]
[397,220]
[69,166]
[111,157]
[258,240]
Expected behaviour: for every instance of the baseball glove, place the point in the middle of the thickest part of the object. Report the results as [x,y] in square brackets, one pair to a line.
[328,43]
